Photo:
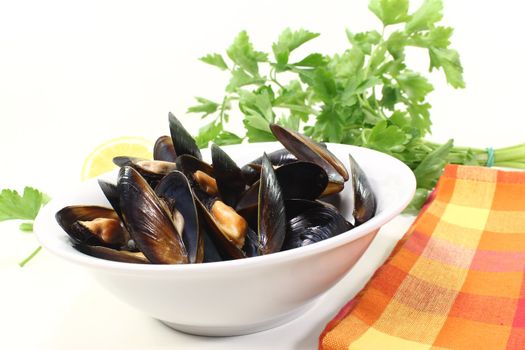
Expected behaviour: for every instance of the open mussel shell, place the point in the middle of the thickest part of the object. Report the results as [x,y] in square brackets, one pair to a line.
[312,221]
[306,149]
[302,180]
[228,175]
[271,227]
[183,142]
[226,247]
[112,254]
[364,199]
[151,170]
[93,225]
[149,220]
[200,174]
[252,170]
[219,217]
[111,193]
[175,190]
[164,150]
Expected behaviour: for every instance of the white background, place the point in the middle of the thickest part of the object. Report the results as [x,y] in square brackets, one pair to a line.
[76,73]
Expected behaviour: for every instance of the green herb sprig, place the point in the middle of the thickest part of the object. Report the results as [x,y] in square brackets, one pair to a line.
[14,206]
[366,95]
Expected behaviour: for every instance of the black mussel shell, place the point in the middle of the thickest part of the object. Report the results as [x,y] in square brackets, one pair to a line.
[93,225]
[183,143]
[175,189]
[364,199]
[306,149]
[252,170]
[148,220]
[271,214]
[312,221]
[189,164]
[299,180]
[111,193]
[211,252]
[228,175]
[164,150]
[112,254]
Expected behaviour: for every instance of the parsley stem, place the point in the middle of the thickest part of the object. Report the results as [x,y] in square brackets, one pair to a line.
[273,78]
[223,106]
[515,165]
[297,108]
[31,256]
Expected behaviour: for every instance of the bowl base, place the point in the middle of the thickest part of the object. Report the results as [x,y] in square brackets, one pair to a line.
[227,331]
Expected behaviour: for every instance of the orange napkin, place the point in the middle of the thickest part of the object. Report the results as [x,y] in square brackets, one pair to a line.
[457,279]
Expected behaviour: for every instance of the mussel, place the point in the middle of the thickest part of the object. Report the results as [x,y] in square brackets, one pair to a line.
[271,219]
[164,149]
[228,176]
[152,170]
[299,180]
[252,170]
[312,221]
[152,224]
[93,225]
[307,149]
[178,209]
[175,190]
[225,226]
[364,199]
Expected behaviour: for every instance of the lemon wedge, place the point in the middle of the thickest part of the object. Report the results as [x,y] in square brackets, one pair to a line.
[100,160]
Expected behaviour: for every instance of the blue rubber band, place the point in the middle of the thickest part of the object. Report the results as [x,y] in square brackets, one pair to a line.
[490,157]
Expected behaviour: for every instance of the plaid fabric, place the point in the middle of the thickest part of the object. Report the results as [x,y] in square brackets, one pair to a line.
[457,278]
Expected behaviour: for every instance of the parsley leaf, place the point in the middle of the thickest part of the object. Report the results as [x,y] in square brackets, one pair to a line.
[414,85]
[205,106]
[26,207]
[289,41]
[449,60]
[389,11]
[429,13]
[216,60]
[241,52]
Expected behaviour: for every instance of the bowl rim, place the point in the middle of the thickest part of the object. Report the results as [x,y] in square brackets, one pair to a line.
[373,224]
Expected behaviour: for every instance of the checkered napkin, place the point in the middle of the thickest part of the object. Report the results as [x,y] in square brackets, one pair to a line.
[457,279]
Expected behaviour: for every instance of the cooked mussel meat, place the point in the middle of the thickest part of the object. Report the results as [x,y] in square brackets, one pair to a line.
[152,170]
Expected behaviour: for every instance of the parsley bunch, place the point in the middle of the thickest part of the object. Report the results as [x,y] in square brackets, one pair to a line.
[366,95]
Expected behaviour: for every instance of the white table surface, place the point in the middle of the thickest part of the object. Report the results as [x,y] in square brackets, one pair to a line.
[74,74]
[52,304]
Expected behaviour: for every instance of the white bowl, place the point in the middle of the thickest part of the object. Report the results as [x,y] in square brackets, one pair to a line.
[239,296]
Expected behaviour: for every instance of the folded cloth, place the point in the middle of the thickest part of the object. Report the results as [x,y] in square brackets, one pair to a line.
[455,281]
